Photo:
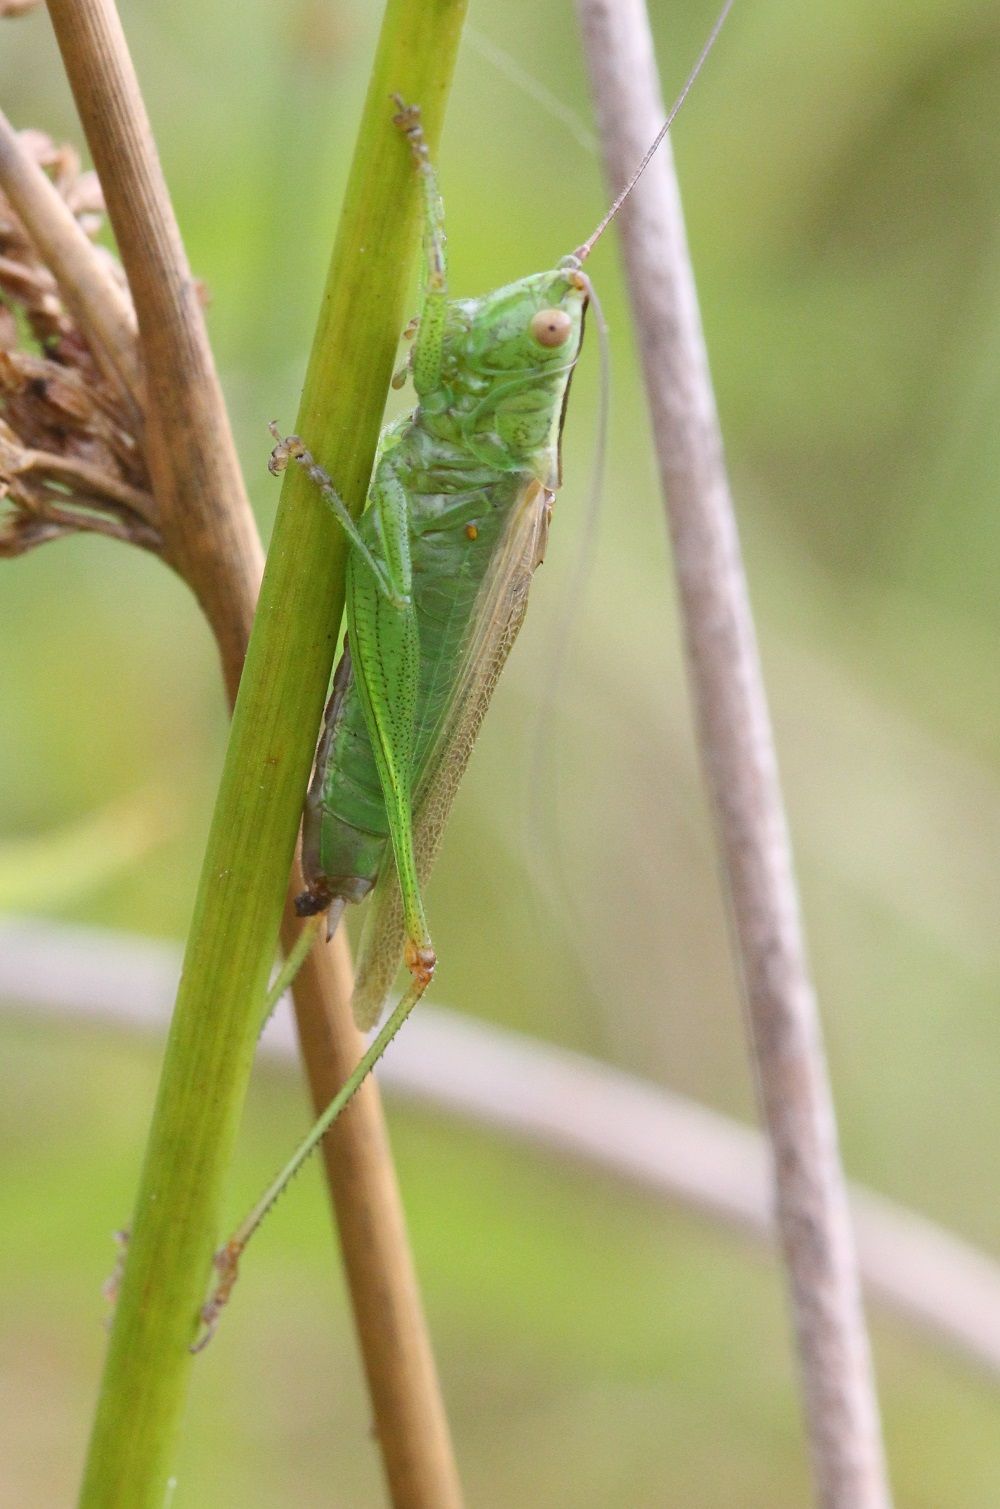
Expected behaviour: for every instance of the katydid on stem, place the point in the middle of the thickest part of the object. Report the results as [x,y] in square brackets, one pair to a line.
[438,573]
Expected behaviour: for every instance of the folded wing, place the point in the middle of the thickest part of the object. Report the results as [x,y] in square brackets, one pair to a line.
[498,615]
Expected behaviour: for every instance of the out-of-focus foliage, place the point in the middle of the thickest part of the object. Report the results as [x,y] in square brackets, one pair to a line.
[842,177]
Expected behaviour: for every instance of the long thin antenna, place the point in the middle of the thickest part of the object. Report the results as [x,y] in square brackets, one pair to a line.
[512,70]
[582,252]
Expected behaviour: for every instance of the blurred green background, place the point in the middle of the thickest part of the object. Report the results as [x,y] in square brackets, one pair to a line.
[842,178]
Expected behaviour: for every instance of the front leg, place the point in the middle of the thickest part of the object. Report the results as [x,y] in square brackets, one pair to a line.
[291,448]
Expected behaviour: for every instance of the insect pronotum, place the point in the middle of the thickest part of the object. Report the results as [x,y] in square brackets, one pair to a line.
[438,573]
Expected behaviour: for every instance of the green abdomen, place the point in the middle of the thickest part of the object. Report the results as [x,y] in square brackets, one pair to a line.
[454,531]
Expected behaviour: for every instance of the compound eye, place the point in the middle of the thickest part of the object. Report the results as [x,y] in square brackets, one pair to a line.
[551,327]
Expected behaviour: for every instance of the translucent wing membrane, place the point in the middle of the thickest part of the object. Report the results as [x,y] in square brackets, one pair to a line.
[498,616]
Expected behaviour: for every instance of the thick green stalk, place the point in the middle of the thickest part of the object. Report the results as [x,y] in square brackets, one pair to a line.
[249,853]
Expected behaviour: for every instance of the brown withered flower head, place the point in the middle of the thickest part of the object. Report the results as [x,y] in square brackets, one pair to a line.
[70,442]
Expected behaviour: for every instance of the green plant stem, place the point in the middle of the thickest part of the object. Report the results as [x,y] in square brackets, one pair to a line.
[250,846]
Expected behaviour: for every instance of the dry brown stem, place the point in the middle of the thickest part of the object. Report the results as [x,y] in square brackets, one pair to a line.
[738,756]
[205,517]
[402,1377]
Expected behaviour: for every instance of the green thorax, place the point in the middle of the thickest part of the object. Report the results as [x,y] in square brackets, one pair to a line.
[501,393]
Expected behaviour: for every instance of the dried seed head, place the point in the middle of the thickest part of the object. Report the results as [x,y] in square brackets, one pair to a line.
[70,456]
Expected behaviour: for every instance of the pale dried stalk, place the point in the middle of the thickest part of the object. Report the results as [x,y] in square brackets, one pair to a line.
[737,751]
[559,1102]
[211,534]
